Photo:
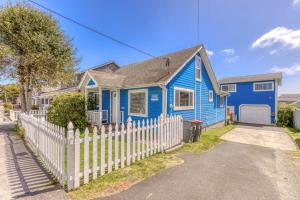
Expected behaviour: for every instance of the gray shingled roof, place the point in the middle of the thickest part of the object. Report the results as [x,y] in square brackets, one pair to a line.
[251,78]
[154,71]
[289,98]
[107,79]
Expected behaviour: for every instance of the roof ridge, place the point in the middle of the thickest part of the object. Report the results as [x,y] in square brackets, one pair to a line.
[161,56]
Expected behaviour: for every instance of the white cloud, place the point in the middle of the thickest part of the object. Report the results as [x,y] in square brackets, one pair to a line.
[232,59]
[296,2]
[230,56]
[209,53]
[280,36]
[228,52]
[292,70]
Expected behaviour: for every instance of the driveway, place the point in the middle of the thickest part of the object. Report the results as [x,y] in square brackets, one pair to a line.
[232,170]
[265,136]
[21,174]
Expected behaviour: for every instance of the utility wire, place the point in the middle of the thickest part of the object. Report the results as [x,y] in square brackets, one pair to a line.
[198,21]
[93,30]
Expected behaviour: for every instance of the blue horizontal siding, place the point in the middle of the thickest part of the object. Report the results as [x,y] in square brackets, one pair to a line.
[154,107]
[184,79]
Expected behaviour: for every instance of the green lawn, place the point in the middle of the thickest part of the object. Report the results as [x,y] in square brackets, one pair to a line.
[295,134]
[207,140]
[123,178]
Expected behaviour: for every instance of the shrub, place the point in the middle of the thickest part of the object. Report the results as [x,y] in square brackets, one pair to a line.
[91,105]
[20,131]
[8,106]
[285,116]
[68,107]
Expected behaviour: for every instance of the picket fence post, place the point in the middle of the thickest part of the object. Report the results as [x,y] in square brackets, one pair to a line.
[70,143]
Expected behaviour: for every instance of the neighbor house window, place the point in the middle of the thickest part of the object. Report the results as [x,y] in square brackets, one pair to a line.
[183,99]
[221,101]
[198,68]
[210,96]
[228,88]
[263,86]
[138,102]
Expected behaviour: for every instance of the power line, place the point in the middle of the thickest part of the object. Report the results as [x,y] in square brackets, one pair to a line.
[198,21]
[93,30]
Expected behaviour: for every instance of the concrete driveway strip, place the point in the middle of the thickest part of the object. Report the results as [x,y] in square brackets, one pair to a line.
[21,174]
[272,137]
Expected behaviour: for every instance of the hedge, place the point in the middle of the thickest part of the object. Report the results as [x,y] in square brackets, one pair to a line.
[68,107]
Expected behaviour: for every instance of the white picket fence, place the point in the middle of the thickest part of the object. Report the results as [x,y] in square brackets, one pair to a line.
[103,152]
[297,119]
[14,114]
[48,141]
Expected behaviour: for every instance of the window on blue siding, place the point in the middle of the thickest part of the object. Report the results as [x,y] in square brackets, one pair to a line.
[263,86]
[198,68]
[210,96]
[138,102]
[183,99]
[229,88]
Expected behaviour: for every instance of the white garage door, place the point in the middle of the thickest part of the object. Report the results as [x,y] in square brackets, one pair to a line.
[255,114]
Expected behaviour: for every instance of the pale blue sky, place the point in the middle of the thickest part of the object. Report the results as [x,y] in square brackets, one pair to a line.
[244,37]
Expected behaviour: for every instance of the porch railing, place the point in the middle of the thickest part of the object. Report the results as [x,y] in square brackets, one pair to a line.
[94,117]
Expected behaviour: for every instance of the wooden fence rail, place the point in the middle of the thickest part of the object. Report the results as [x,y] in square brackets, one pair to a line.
[92,154]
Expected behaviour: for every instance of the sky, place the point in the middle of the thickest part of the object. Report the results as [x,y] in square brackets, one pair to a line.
[241,37]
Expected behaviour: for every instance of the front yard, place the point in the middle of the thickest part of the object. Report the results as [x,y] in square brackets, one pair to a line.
[122,179]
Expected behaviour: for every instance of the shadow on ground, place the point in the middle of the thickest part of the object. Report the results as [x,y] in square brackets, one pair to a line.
[26,176]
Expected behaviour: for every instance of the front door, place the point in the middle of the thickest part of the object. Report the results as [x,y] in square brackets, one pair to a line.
[113,106]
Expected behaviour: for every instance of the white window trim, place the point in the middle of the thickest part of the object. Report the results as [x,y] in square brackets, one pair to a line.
[228,87]
[263,83]
[222,106]
[198,59]
[183,107]
[146,102]
[210,99]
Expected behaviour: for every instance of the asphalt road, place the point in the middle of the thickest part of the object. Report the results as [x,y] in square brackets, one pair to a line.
[231,171]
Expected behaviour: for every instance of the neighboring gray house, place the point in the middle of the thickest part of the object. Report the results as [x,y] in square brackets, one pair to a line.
[44,97]
[291,99]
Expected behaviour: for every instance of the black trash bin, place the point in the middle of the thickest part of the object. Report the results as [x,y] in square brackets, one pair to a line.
[196,130]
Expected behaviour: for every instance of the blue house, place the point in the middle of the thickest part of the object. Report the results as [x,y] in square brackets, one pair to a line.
[253,99]
[179,83]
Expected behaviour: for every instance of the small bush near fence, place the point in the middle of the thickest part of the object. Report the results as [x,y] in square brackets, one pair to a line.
[8,106]
[285,116]
[68,107]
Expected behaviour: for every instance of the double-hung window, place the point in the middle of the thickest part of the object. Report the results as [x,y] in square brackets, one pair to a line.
[228,88]
[198,68]
[210,96]
[263,86]
[138,102]
[183,99]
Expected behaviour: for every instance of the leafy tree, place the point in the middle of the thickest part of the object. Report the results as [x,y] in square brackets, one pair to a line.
[68,107]
[9,92]
[34,51]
